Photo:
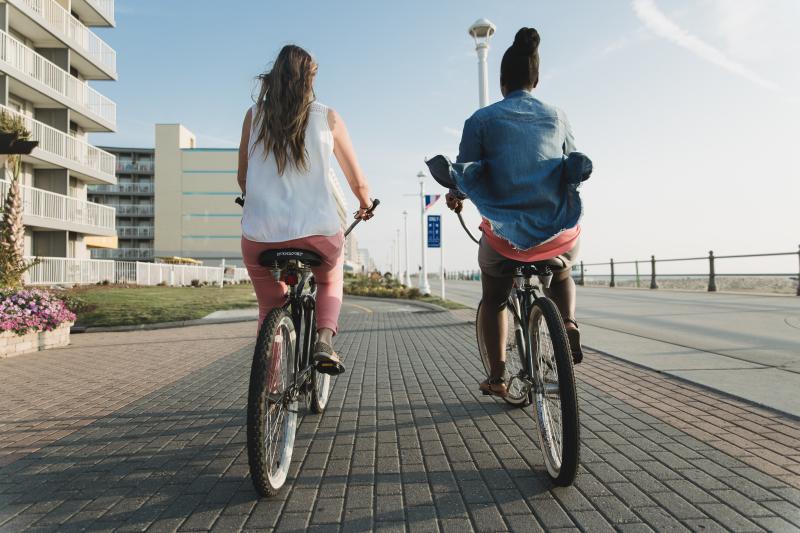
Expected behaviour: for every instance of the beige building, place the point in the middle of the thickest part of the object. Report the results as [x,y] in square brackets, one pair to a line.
[48,55]
[195,188]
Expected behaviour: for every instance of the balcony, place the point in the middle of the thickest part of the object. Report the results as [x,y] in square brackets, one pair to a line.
[124,254]
[125,188]
[135,168]
[45,209]
[58,150]
[136,232]
[96,112]
[94,57]
[128,210]
[95,12]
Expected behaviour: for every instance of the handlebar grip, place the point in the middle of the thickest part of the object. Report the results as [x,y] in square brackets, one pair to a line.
[240,200]
[375,203]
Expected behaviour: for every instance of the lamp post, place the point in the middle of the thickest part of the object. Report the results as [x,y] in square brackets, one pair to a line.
[481,31]
[424,288]
[407,277]
[398,269]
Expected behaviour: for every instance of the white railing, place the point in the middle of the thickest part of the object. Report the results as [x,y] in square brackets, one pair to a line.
[123,188]
[135,210]
[54,206]
[67,271]
[105,8]
[84,98]
[83,155]
[59,21]
[136,231]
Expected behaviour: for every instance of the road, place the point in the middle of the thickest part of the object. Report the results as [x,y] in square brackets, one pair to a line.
[745,345]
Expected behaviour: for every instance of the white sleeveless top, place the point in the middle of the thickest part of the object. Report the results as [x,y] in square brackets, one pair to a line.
[297,204]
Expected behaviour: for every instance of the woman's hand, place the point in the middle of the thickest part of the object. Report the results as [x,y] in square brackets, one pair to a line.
[455,204]
[365,213]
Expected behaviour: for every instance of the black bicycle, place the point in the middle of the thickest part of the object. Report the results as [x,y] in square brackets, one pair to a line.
[539,369]
[282,371]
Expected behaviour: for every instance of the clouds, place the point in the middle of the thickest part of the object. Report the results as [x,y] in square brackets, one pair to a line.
[662,26]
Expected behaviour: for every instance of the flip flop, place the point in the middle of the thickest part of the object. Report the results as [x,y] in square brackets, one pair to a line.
[494,387]
[574,336]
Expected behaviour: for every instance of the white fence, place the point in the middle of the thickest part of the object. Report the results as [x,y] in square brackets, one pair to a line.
[58,20]
[67,271]
[54,206]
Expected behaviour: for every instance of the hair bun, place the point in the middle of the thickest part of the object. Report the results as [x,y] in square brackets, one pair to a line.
[526,41]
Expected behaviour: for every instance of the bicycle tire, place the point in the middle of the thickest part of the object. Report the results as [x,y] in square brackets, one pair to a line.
[515,353]
[267,374]
[320,382]
[562,470]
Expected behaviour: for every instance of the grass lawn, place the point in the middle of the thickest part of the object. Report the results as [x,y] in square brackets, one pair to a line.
[119,306]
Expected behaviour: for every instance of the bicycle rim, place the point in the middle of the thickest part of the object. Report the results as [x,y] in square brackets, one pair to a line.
[555,401]
[272,417]
[515,352]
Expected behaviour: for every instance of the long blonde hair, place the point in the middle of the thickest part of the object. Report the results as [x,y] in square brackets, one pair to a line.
[283,106]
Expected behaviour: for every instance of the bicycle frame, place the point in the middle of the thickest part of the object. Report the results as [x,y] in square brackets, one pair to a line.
[302,307]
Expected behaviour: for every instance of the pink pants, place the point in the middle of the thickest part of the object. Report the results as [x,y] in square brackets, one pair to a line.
[329,276]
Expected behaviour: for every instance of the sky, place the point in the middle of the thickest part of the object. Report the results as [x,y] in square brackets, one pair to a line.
[690,109]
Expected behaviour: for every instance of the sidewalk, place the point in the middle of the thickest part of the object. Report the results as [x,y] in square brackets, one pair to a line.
[145,431]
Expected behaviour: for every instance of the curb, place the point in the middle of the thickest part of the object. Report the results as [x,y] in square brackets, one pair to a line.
[159,325]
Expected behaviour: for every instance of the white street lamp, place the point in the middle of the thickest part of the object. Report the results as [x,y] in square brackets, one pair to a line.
[424,288]
[481,31]
[407,277]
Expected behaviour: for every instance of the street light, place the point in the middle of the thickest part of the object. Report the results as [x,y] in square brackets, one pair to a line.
[407,277]
[424,288]
[481,31]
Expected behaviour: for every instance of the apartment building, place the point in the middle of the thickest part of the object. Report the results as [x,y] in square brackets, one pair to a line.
[48,56]
[133,198]
[195,188]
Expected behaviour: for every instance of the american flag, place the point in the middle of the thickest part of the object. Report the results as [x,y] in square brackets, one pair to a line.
[431,199]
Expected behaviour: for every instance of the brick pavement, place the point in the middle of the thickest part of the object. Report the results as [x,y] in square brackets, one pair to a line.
[145,431]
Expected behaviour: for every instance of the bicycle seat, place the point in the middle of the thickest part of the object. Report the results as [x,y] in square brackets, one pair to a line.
[539,268]
[270,258]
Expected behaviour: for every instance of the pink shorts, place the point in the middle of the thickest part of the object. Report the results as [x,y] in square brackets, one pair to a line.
[329,276]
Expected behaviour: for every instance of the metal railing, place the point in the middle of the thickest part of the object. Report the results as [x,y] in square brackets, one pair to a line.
[148,167]
[135,210]
[68,271]
[82,97]
[711,274]
[125,188]
[81,154]
[136,231]
[54,206]
[61,23]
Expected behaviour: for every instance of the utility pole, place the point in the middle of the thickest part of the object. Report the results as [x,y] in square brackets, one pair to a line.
[424,287]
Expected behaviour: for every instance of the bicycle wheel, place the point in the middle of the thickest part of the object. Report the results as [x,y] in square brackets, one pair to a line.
[515,352]
[556,403]
[320,382]
[271,414]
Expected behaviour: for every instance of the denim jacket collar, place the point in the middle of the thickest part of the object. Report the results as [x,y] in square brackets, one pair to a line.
[519,93]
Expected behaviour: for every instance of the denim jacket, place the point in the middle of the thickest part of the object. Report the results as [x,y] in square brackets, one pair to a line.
[513,164]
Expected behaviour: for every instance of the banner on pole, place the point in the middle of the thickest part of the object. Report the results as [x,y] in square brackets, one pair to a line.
[434,231]
[431,199]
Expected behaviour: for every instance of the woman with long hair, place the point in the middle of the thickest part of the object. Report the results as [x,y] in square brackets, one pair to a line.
[285,172]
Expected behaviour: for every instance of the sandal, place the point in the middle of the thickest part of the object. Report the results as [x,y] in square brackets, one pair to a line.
[326,360]
[574,336]
[494,387]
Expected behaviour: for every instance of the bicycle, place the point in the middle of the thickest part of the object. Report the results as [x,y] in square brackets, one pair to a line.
[282,371]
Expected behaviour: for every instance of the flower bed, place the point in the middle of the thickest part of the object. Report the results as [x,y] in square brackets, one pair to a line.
[32,320]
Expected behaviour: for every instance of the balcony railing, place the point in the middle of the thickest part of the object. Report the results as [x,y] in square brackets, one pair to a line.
[125,188]
[64,209]
[135,210]
[78,93]
[123,253]
[61,149]
[147,168]
[144,232]
[104,7]
[61,23]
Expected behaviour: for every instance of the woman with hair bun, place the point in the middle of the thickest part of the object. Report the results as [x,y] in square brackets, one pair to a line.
[529,213]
